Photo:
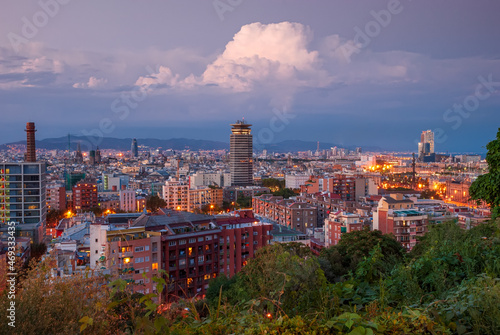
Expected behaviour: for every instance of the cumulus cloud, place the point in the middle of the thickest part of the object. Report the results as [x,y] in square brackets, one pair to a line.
[93,82]
[276,59]
[163,77]
[259,55]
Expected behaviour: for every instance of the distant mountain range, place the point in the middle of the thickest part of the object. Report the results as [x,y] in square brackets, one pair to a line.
[61,143]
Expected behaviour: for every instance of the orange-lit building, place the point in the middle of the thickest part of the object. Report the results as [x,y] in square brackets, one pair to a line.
[85,195]
[339,223]
[397,216]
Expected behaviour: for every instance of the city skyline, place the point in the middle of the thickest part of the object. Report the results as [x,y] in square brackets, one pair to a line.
[339,72]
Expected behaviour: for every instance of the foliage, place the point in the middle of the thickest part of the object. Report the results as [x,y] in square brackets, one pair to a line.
[430,194]
[449,284]
[285,193]
[38,250]
[338,260]
[54,306]
[273,184]
[53,217]
[487,186]
[244,202]
[278,276]
[154,202]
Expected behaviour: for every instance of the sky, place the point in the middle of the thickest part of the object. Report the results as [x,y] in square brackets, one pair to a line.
[353,73]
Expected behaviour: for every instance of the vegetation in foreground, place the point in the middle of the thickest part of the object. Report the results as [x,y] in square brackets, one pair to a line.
[449,284]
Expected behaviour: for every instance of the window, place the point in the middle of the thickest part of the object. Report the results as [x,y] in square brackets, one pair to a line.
[96,240]
[139,260]
[200,239]
[171,243]
[192,240]
[146,259]
[139,249]
[182,242]
[201,259]
[208,238]
[146,248]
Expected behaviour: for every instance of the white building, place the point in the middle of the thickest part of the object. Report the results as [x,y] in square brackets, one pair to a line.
[221,179]
[128,201]
[295,181]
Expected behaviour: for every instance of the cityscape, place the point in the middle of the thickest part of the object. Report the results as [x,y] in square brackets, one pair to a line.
[271,186]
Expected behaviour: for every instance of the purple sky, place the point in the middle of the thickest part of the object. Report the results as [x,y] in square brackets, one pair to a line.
[349,72]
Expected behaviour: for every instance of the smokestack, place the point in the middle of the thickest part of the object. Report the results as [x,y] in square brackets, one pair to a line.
[30,142]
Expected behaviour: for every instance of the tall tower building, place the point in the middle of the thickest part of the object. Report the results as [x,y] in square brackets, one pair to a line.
[426,145]
[428,137]
[240,157]
[134,149]
[30,155]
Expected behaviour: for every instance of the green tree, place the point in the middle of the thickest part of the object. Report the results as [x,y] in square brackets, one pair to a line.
[283,278]
[487,186]
[285,193]
[338,260]
[154,202]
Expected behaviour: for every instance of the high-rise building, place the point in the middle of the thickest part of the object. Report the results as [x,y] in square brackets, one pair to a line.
[134,149]
[426,145]
[98,156]
[22,198]
[30,155]
[240,159]
[23,192]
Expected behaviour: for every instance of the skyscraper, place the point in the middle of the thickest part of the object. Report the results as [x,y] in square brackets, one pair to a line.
[426,146]
[240,157]
[134,149]
[428,137]
[30,155]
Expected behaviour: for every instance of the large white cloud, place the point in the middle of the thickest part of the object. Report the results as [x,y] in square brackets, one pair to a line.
[260,55]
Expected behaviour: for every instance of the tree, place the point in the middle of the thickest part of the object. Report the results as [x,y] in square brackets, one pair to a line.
[487,186]
[273,184]
[285,193]
[430,194]
[54,216]
[282,277]
[154,202]
[338,260]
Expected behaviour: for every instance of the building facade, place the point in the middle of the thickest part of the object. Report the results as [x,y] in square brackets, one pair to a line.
[397,216]
[23,198]
[85,195]
[241,154]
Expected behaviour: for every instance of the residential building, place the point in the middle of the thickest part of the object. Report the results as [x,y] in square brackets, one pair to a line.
[128,201]
[176,194]
[339,223]
[56,197]
[290,213]
[397,216]
[85,195]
